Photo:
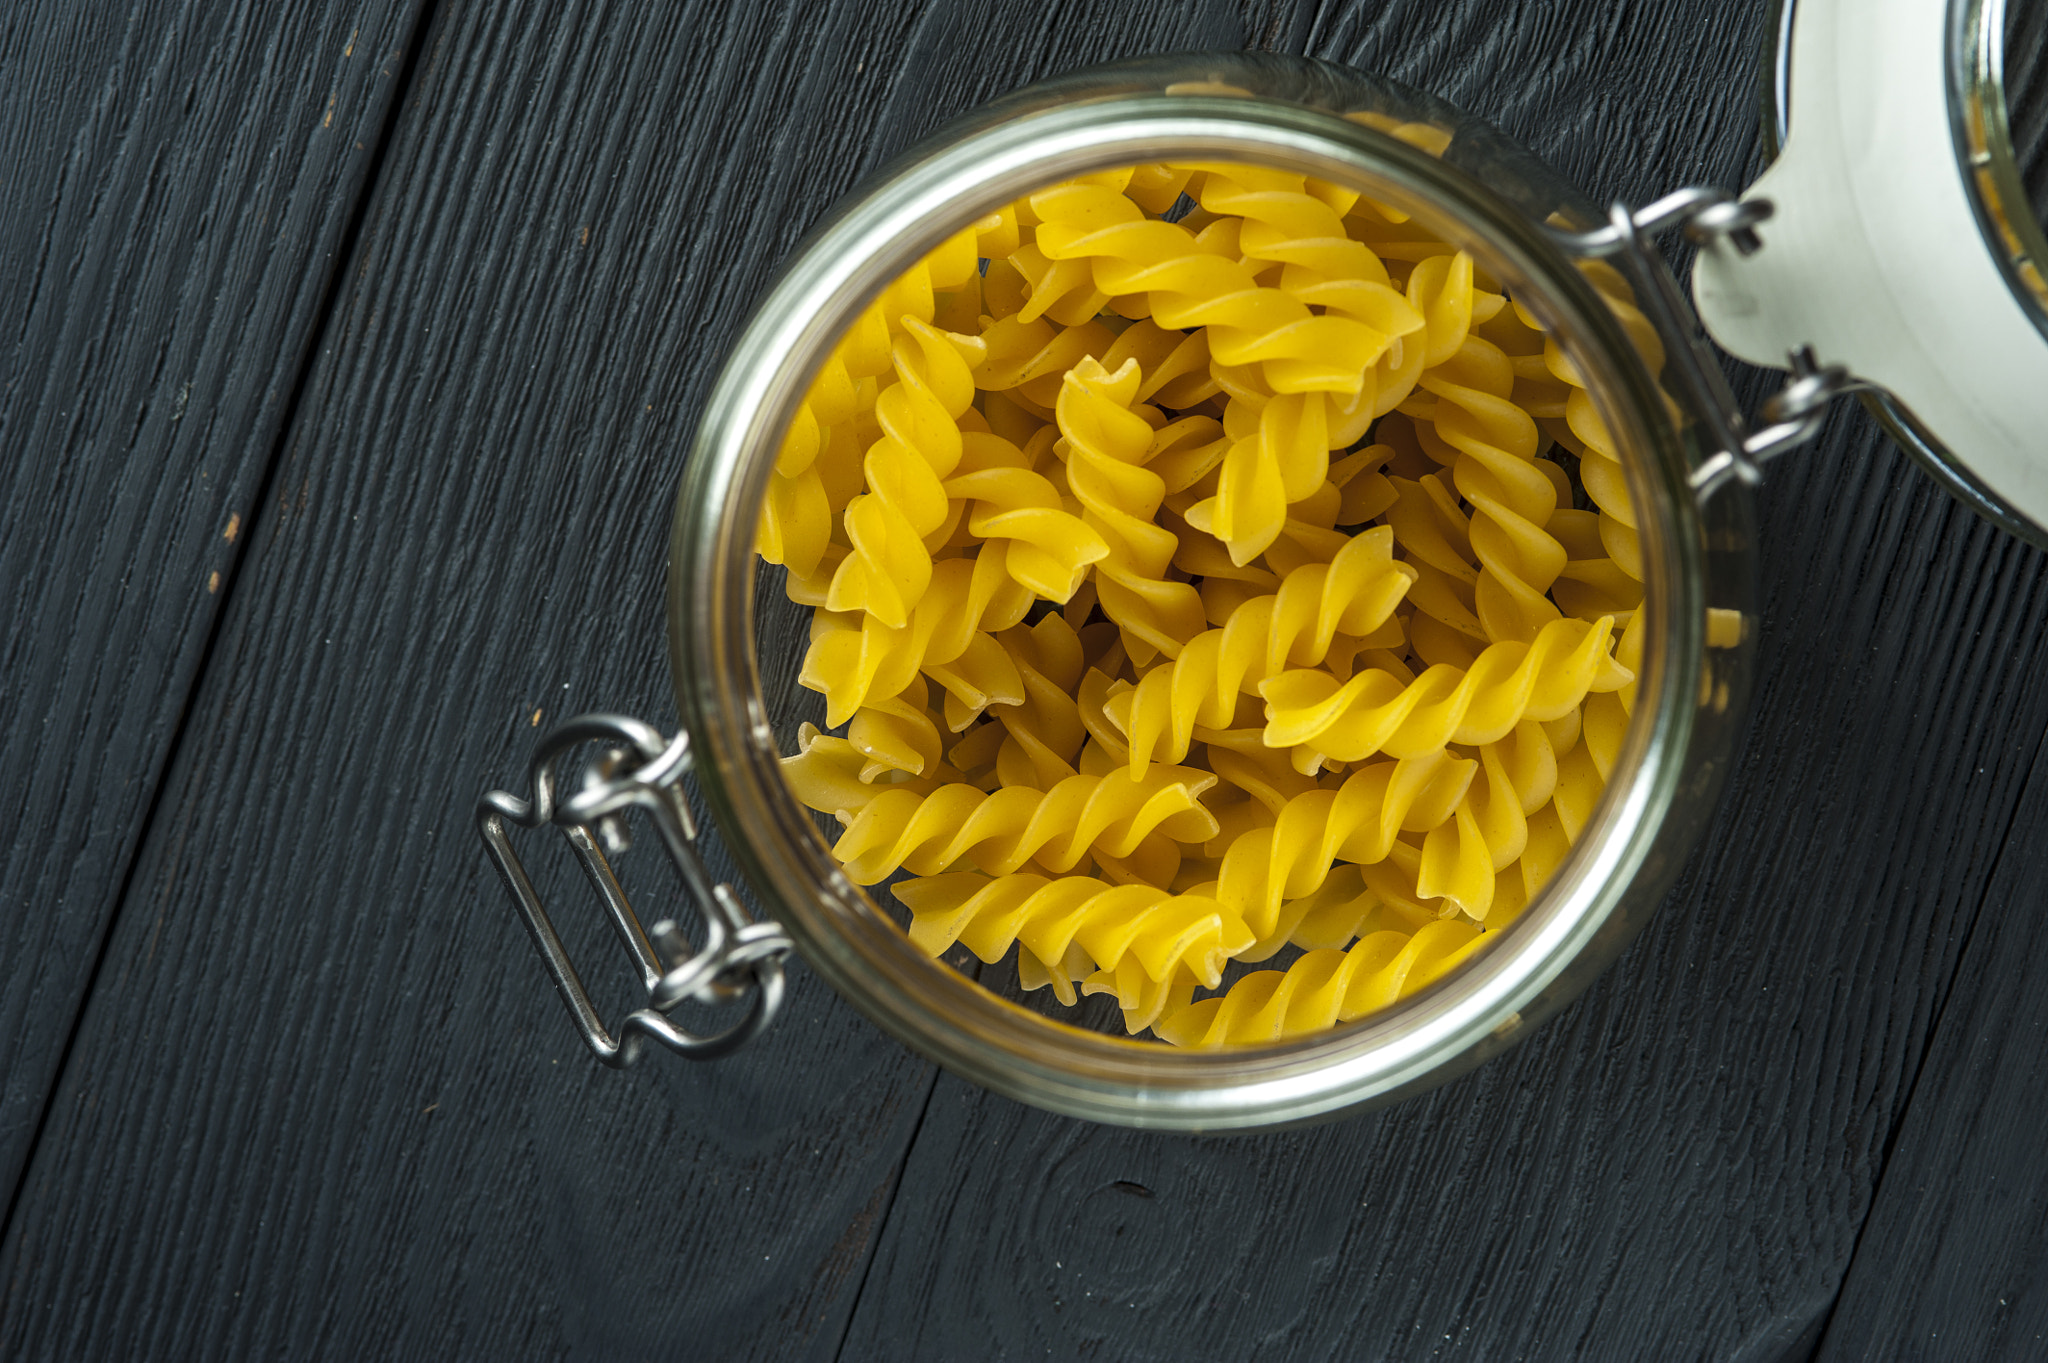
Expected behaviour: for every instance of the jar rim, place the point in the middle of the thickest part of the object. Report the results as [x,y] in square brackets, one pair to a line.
[843,935]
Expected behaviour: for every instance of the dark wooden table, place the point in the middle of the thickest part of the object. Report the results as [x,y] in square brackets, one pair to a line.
[351,350]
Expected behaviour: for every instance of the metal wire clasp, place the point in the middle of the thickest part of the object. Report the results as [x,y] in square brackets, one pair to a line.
[1793,416]
[739,957]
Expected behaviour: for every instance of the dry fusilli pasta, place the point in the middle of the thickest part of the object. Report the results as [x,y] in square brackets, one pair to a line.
[1198,581]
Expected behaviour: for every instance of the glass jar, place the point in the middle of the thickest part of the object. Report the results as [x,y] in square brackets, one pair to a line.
[734,641]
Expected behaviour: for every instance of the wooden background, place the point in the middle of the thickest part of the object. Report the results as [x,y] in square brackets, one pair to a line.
[351,349]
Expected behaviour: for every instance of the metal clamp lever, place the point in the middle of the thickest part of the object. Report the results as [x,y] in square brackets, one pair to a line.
[739,956]
[1793,415]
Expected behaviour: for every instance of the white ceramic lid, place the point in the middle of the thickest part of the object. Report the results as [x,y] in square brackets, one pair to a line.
[1875,257]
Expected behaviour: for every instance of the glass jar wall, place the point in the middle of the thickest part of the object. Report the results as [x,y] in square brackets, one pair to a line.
[736,641]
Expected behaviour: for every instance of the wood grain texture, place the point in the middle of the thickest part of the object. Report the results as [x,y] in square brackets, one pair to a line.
[1679,1166]
[174,183]
[323,1104]
[1953,1262]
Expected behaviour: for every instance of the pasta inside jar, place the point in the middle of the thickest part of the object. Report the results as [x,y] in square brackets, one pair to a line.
[1225,601]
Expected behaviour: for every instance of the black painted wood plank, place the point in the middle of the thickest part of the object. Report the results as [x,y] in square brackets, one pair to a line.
[323,1103]
[175,180]
[1953,1262]
[1679,1166]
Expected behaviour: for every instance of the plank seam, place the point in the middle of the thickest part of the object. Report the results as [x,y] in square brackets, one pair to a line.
[888,1210]
[1934,1026]
[337,277]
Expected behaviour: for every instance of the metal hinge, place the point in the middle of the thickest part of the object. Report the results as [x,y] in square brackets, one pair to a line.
[739,959]
[1793,415]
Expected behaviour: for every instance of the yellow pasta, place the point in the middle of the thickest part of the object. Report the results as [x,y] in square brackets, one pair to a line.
[1219,670]
[1322,989]
[897,734]
[1202,591]
[1107,447]
[1357,822]
[796,521]
[853,655]
[906,502]
[1583,430]
[1496,474]
[1000,831]
[1162,933]
[1374,712]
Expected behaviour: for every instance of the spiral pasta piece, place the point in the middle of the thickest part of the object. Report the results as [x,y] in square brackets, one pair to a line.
[1186,284]
[1282,458]
[1599,460]
[1375,712]
[1143,999]
[1357,901]
[949,637]
[1107,447]
[1353,595]
[1050,548]
[887,526]
[1030,360]
[1173,365]
[824,774]
[1600,467]
[1045,732]
[1436,536]
[797,515]
[1064,288]
[1458,864]
[1281,444]
[953,264]
[1287,225]
[1299,225]
[999,831]
[1162,932]
[1442,288]
[1512,499]
[897,733]
[1473,860]
[1321,989]
[1357,822]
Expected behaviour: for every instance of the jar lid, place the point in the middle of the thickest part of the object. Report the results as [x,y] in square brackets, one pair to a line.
[1905,245]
